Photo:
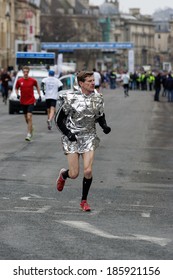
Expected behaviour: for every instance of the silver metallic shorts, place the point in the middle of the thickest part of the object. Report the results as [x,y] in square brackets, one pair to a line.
[82,145]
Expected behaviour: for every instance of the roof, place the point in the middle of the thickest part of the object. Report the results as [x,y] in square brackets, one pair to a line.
[128,16]
[108,9]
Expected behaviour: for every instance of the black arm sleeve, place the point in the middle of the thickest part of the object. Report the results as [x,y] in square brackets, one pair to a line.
[102,121]
[60,88]
[42,88]
[61,122]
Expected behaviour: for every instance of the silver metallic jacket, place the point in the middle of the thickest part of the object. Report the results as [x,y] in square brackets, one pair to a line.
[82,112]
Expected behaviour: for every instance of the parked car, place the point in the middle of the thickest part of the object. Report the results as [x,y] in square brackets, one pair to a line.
[38,74]
[68,81]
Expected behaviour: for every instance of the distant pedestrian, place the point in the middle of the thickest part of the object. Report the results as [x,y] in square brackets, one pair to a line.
[26,85]
[133,80]
[143,79]
[150,80]
[125,81]
[164,78]
[112,78]
[97,79]
[169,87]
[157,86]
[5,79]
[50,86]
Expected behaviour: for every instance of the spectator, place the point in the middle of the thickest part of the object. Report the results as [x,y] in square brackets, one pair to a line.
[112,78]
[97,79]
[169,87]
[157,86]
[5,79]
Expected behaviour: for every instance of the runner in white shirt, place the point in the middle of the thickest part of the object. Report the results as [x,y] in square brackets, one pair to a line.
[50,86]
[126,80]
[97,79]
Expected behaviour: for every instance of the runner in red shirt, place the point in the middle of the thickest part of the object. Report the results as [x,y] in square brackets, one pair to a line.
[26,85]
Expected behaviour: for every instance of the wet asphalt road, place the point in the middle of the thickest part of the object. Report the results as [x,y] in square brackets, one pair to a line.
[131,195]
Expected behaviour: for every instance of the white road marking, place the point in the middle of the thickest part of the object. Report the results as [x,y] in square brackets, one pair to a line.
[145,214]
[40,210]
[67,213]
[141,205]
[25,197]
[44,209]
[73,210]
[31,196]
[35,196]
[93,230]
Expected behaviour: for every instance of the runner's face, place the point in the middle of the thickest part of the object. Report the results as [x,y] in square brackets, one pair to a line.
[25,73]
[88,85]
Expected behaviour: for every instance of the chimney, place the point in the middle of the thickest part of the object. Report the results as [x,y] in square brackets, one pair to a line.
[134,11]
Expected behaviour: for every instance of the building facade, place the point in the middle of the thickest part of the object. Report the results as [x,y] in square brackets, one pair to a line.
[76,22]
[130,27]
[104,23]
[163,42]
[24,24]
[27,23]
[7,33]
[20,29]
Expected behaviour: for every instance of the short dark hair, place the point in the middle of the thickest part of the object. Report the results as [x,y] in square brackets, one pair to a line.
[81,76]
[26,67]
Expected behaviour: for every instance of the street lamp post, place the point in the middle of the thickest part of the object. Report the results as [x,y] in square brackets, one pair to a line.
[7,15]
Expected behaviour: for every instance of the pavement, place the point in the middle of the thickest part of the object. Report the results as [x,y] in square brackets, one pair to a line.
[131,194]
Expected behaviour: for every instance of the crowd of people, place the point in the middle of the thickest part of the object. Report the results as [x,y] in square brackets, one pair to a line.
[161,82]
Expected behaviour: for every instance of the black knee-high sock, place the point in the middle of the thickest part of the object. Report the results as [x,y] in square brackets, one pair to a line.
[65,174]
[86,187]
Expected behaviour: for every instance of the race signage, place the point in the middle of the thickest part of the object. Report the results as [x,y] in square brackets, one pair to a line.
[88,45]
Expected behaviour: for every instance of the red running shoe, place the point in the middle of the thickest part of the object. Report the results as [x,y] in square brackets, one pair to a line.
[60,182]
[85,206]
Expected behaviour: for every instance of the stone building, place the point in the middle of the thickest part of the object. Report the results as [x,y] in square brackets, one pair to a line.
[104,23]
[20,29]
[129,27]
[24,24]
[163,42]
[27,23]
[72,21]
[7,33]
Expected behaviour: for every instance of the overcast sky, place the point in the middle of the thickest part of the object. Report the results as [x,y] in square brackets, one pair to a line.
[146,6]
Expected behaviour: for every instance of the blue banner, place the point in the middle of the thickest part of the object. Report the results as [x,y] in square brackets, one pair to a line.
[35,55]
[88,45]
